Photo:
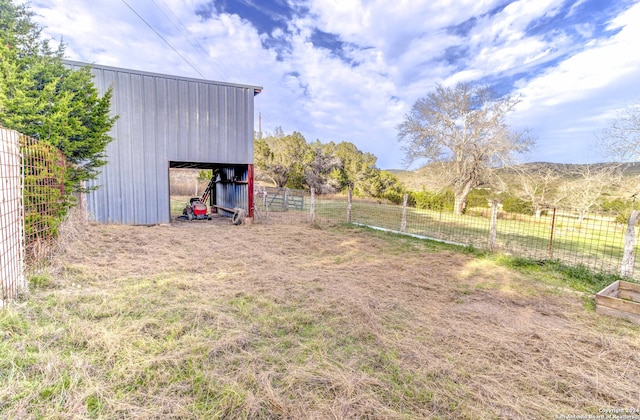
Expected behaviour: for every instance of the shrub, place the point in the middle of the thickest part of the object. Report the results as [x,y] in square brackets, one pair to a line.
[620,208]
[393,196]
[617,205]
[622,218]
[427,200]
[45,199]
[517,205]
[205,174]
[478,198]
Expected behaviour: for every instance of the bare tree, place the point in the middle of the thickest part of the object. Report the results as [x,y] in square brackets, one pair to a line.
[464,130]
[590,182]
[621,140]
[538,185]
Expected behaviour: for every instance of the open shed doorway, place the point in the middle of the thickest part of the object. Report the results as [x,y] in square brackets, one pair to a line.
[230,187]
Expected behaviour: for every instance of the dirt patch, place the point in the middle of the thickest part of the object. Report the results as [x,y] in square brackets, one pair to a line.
[297,321]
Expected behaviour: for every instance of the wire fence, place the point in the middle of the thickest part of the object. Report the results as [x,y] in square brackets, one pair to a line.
[594,240]
[11,216]
[31,207]
[45,204]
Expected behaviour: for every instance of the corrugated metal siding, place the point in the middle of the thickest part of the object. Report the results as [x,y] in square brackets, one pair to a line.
[161,119]
[231,194]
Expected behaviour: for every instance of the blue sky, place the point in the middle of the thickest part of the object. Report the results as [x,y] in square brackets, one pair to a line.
[349,70]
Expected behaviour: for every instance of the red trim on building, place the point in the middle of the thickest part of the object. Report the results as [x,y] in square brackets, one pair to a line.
[250,187]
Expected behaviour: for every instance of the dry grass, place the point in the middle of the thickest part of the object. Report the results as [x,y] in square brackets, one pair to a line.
[211,320]
[186,182]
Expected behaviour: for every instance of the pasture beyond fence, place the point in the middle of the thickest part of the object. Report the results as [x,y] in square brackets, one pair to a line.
[593,240]
[31,207]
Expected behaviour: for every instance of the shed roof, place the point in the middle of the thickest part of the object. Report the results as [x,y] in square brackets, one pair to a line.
[256,89]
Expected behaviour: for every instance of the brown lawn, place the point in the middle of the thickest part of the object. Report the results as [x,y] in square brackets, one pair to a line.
[211,320]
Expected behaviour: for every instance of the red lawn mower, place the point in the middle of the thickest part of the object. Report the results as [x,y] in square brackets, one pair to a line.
[197,209]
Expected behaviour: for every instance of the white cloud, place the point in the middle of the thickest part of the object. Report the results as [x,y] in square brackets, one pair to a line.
[509,25]
[569,103]
[598,66]
[314,91]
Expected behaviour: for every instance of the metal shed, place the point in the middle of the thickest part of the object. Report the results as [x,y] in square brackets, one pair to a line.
[170,121]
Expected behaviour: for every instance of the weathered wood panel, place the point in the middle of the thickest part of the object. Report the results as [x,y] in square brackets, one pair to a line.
[620,299]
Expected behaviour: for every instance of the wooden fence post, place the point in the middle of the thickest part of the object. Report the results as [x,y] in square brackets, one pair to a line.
[493,227]
[403,225]
[349,203]
[629,254]
[285,202]
[553,227]
[312,206]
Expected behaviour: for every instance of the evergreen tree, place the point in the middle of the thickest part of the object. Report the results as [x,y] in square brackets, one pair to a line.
[288,160]
[320,162]
[280,158]
[43,99]
[357,168]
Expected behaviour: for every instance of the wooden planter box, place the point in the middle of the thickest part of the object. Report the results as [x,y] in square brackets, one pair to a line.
[620,299]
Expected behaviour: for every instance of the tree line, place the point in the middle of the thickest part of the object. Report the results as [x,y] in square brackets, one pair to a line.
[461,136]
[288,160]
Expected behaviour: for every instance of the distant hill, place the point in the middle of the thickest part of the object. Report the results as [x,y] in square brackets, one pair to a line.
[427,176]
